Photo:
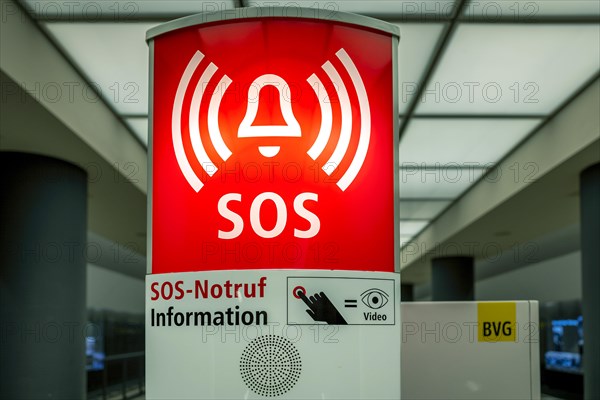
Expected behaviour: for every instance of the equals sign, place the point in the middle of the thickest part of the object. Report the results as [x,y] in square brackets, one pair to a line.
[350,303]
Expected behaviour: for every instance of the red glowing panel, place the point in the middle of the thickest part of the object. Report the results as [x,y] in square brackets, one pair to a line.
[273,147]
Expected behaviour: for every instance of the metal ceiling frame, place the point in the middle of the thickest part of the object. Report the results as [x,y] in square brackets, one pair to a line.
[543,123]
[422,18]
[446,35]
[77,69]
[450,24]
[478,116]
[439,50]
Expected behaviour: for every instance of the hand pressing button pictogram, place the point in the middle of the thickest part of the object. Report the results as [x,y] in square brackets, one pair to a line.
[322,309]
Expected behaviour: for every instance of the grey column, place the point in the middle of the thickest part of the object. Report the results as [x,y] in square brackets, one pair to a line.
[43,218]
[406,292]
[452,279]
[590,274]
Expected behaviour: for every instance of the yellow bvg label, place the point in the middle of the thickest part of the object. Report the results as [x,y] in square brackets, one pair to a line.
[497,322]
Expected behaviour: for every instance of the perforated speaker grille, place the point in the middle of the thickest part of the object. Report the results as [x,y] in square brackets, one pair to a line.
[270,365]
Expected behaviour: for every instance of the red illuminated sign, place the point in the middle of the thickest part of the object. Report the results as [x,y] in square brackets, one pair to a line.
[273,147]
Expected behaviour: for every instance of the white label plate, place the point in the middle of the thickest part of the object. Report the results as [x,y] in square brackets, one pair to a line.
[245,335]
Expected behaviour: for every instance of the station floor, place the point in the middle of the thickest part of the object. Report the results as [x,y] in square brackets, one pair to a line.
[143,397]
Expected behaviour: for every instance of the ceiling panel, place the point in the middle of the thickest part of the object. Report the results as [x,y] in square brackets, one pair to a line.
[139,126]
[127,9]
[461,141]
[95,10]
[512,68]
[114,56]
[417,42]
[528,9]
[422,209]
[436,183]
[389,8]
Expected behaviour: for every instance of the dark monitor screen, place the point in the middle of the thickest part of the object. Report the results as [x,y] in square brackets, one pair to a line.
[94,353]
[564,348]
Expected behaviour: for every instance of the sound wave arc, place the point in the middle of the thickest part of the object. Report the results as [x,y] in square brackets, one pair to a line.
[346,130]
[199,150]
[324,134]
[326,119]
[182,160]
[213,119]
[214,133]
[365,121]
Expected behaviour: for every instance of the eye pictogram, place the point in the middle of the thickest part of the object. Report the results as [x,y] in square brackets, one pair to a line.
[374,298]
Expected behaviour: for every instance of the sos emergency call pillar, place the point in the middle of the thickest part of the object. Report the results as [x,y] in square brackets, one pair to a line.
[273,207]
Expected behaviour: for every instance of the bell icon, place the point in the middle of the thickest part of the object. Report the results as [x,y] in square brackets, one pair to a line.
[291,127]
